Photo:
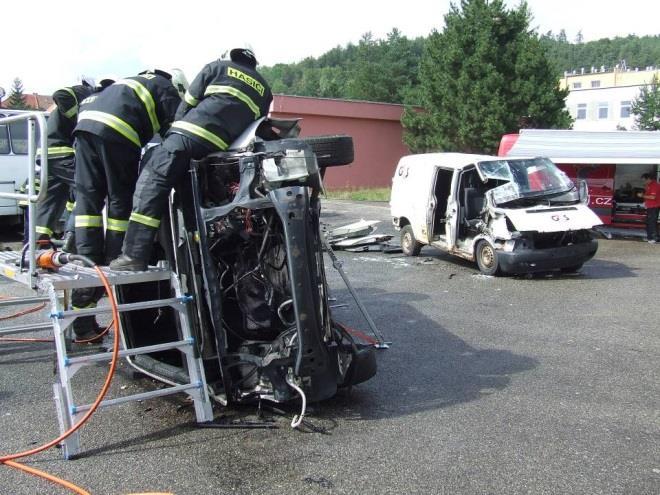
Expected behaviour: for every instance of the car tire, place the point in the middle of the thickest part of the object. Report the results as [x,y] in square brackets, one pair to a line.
[331,151]
[409,245]
[487,258]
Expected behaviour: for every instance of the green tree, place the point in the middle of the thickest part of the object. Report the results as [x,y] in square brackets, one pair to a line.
[16,98]
[646,107]
[480,78]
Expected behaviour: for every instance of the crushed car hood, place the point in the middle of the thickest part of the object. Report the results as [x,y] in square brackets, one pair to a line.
[552,218]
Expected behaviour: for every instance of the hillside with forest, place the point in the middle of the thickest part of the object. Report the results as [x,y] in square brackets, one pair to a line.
[386,70]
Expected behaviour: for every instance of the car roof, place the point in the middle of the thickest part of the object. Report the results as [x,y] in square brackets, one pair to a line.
[447,160]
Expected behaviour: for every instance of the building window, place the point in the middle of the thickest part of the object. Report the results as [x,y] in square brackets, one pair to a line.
[577,85]
[625,109]
[595,84]
[602,110]
[581,113]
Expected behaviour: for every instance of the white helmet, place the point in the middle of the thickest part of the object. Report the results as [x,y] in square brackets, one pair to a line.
[179,81]
[87,81]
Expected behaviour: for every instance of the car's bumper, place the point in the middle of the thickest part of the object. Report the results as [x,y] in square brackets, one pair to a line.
[539,260]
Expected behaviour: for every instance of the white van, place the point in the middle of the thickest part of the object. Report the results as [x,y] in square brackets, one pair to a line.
[13,163]
[508,215]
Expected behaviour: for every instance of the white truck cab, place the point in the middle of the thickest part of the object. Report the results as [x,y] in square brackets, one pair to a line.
[519,215]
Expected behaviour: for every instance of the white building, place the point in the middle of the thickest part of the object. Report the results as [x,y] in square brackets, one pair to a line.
[600,99]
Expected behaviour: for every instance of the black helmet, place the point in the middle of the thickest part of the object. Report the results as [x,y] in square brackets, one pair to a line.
[243,56]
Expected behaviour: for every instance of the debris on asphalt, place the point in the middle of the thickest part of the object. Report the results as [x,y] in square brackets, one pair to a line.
[357,235]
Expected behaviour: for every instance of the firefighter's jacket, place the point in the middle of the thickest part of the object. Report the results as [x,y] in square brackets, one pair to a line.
[62,120]
[221,102]
[131,111]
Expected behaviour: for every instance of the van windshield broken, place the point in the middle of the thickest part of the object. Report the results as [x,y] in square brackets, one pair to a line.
[527,178]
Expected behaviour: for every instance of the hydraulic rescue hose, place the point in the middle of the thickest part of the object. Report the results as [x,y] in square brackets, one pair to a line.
[54,259]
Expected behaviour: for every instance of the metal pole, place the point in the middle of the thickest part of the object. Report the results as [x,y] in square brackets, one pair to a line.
[337,265]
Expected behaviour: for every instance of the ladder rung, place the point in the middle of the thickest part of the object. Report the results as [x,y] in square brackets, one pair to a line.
[145,395]
[107,356]
[28,327]
[16,301]
[124,307]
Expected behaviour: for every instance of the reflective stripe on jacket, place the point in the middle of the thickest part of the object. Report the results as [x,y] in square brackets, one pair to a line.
[221,102]
[62,120]
[130,111]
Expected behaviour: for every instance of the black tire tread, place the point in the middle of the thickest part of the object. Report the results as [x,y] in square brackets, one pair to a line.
[332,151]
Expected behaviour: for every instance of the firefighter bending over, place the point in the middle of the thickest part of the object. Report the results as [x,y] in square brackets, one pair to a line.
[224,98]
[112,129]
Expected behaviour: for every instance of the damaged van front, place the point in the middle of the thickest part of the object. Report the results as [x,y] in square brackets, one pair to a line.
[508,215]
[535,218]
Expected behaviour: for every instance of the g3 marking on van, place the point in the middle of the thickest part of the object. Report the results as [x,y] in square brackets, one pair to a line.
[508,215]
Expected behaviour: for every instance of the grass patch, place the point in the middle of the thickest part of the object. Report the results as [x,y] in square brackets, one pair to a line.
[372,194]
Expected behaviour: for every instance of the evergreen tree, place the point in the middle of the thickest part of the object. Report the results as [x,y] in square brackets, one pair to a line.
[646,107]
[480,78]
[16,98]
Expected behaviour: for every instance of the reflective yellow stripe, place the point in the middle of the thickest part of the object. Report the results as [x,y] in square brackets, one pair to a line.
[74,109]
[58,150]
[117,225]
[213,89]
[201,132]
[89,221]
[114,122]
[87,306]
[43,230]
[190,99]
[148,100]
[70,206]
[145,220]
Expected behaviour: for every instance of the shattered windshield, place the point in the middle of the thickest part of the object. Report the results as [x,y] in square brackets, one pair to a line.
[529,178]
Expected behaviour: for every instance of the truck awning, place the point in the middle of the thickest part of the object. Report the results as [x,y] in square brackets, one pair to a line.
[565,146]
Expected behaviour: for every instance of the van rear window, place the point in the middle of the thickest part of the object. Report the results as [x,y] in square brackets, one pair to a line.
[4,140]
[18,133]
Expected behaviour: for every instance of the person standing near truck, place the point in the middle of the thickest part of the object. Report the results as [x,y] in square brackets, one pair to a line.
[651,196]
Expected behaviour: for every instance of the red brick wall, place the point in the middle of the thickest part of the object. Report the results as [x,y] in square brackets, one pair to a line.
[375,128]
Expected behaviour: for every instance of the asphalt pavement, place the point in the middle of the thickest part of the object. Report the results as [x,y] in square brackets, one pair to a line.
[493,385]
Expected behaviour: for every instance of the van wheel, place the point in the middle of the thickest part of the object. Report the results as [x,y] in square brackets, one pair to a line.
[409,244]
[487,258]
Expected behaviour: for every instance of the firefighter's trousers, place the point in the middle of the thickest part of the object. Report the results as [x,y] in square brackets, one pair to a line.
[59,195]
[106,173]
[164,167]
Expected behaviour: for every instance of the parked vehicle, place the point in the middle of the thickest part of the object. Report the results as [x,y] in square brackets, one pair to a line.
[511,216]
[13,151]
[245,239]
[611,163]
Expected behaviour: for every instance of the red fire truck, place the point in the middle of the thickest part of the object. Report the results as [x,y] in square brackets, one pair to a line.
[611,162]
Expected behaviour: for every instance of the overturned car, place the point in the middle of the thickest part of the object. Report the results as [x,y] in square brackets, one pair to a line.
[244,238]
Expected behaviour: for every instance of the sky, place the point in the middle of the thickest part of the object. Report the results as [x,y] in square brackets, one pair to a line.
[70,38]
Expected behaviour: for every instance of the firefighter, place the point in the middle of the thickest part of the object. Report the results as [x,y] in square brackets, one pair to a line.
[225,97]
[60,194]
[113,126]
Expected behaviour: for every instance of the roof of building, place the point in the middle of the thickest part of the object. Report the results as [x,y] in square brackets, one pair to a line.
[567,146]
[33,100]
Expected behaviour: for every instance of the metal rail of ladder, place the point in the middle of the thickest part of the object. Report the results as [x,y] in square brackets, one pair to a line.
[21,267]
[61,318]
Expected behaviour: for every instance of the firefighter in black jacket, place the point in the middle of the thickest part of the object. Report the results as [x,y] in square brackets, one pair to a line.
[225,97]
[61,123]
[112,129]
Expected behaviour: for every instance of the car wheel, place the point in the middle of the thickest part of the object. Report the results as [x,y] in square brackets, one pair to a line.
[409,244]
[331,151]
[487,258]
[572,269]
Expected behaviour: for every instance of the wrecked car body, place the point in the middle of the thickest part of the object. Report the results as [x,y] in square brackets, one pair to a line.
[509,215]
[244,238]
